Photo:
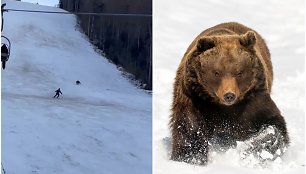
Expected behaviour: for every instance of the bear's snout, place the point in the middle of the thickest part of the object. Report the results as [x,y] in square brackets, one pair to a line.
[229,97]
[228,91]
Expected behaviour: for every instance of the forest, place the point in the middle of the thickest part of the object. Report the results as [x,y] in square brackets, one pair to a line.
[125,40]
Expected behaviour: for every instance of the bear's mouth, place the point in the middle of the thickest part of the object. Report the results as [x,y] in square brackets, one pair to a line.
[229,103]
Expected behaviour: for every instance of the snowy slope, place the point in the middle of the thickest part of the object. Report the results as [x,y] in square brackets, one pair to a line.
[100,126]
[280,22]
[52,3]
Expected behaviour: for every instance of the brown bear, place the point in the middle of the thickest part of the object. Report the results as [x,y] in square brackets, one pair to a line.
[222,95]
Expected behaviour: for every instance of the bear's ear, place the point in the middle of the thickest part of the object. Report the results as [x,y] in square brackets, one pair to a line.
[205,43]
[248,40]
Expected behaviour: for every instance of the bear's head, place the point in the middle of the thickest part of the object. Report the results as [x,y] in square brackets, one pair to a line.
[225,67]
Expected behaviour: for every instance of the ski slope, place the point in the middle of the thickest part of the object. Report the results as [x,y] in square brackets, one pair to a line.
[52,3]
[101,126]
[281,23]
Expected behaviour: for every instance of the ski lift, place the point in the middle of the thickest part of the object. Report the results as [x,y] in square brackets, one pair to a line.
[5,50]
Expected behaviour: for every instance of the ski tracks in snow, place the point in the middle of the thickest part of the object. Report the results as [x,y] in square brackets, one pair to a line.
[67,101]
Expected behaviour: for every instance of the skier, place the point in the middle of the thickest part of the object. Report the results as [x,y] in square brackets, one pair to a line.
[77,82]
[58,93]
[4,55]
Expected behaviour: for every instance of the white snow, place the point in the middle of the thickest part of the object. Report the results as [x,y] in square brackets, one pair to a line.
[266,155]
[100,126]
[52,3]
[281,23]
[270,130]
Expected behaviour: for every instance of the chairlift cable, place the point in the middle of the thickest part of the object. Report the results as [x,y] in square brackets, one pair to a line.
[82,13]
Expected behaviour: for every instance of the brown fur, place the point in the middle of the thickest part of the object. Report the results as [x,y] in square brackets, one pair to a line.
[225,58]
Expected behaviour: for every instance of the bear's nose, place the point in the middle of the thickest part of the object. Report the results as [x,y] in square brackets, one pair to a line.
[229,97]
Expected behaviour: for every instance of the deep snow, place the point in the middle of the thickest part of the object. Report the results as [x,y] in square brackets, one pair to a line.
[281,23]
[100,126]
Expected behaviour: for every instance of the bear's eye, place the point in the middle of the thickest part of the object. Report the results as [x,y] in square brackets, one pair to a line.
[217,74]
[239,74]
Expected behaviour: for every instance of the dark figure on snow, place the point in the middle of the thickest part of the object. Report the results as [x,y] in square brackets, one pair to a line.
[58,93]
[77,82]
[4,53]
